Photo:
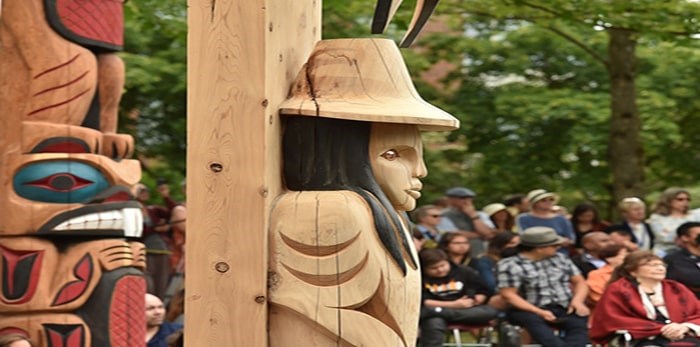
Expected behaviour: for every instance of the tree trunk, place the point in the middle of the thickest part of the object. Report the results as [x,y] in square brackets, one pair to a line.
[625,152]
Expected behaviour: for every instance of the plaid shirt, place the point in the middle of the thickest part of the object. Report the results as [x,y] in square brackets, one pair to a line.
[541,282]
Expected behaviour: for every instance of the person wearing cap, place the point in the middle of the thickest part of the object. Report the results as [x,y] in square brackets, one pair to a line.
[545,290]
[541,214]
[462,215]
[499,215]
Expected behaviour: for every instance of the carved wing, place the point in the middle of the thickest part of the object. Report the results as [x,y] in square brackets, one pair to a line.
[329,268]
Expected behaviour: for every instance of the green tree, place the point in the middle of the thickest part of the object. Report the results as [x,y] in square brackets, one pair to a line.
[608,33]
[153,106]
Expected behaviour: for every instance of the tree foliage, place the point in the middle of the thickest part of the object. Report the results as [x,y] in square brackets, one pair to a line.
[534,93]
[153,106]
[529,80]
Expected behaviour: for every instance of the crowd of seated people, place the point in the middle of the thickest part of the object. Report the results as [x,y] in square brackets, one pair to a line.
[565,280]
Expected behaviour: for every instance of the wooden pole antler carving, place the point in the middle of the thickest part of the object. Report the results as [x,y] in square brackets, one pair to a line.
[385,10]
[383,14]
[424,9]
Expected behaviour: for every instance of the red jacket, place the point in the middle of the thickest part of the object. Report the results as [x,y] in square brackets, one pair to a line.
[621,308]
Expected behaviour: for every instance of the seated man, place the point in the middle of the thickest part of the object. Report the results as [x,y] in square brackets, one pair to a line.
[538,284]
[622,237]
[157,330]
[451,294]
[593,242]
[684,265]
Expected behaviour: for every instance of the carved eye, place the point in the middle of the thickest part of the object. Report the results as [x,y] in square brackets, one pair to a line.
[59,182]
[390,154]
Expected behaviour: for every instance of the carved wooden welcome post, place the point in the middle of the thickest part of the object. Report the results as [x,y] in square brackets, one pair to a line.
[297,231]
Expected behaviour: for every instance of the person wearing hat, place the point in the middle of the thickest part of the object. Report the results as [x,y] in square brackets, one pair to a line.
[545,290]
[541,214]
[499,215]
[461,215]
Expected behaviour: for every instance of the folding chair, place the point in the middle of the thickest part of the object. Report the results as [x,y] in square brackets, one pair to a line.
[483,334]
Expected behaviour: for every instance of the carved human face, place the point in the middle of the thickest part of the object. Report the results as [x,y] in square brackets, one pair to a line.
[396,157]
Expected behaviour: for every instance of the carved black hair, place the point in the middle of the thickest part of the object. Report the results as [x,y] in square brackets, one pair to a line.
[333,154]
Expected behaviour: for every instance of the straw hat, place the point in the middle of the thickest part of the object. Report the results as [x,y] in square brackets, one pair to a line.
[540,237]
[539,194]
[364,80]
[491,209]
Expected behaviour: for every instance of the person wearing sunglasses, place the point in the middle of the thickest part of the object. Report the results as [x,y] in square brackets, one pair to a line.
[670,211]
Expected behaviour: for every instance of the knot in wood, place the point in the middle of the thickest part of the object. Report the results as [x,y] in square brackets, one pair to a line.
[216,167]
[221,267]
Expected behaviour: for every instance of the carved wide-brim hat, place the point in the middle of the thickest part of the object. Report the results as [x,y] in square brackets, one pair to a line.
[364,80]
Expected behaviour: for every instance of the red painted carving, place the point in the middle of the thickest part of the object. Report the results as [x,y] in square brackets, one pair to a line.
[19,286]
[127,323]
[64,335]
[61,103]
[97,20]
[13,330]
[73,290]
[64,147]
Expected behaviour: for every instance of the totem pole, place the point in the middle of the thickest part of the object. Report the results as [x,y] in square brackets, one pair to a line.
[344,270]
[69,273]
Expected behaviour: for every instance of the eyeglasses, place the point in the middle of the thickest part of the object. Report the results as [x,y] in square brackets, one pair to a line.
[655,265]
[681,198]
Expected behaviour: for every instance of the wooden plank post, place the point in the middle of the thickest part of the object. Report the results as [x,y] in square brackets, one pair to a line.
[243,56]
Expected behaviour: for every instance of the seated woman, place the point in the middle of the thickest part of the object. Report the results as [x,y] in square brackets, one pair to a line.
[451,294]
[655,311]
[456,245]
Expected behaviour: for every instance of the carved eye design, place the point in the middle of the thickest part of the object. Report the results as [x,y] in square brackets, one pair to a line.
[59,182]
[390,154]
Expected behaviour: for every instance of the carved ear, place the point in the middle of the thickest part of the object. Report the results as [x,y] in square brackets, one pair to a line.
[383,14]
[424,9]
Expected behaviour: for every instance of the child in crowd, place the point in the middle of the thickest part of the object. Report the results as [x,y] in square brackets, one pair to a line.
[451,294]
